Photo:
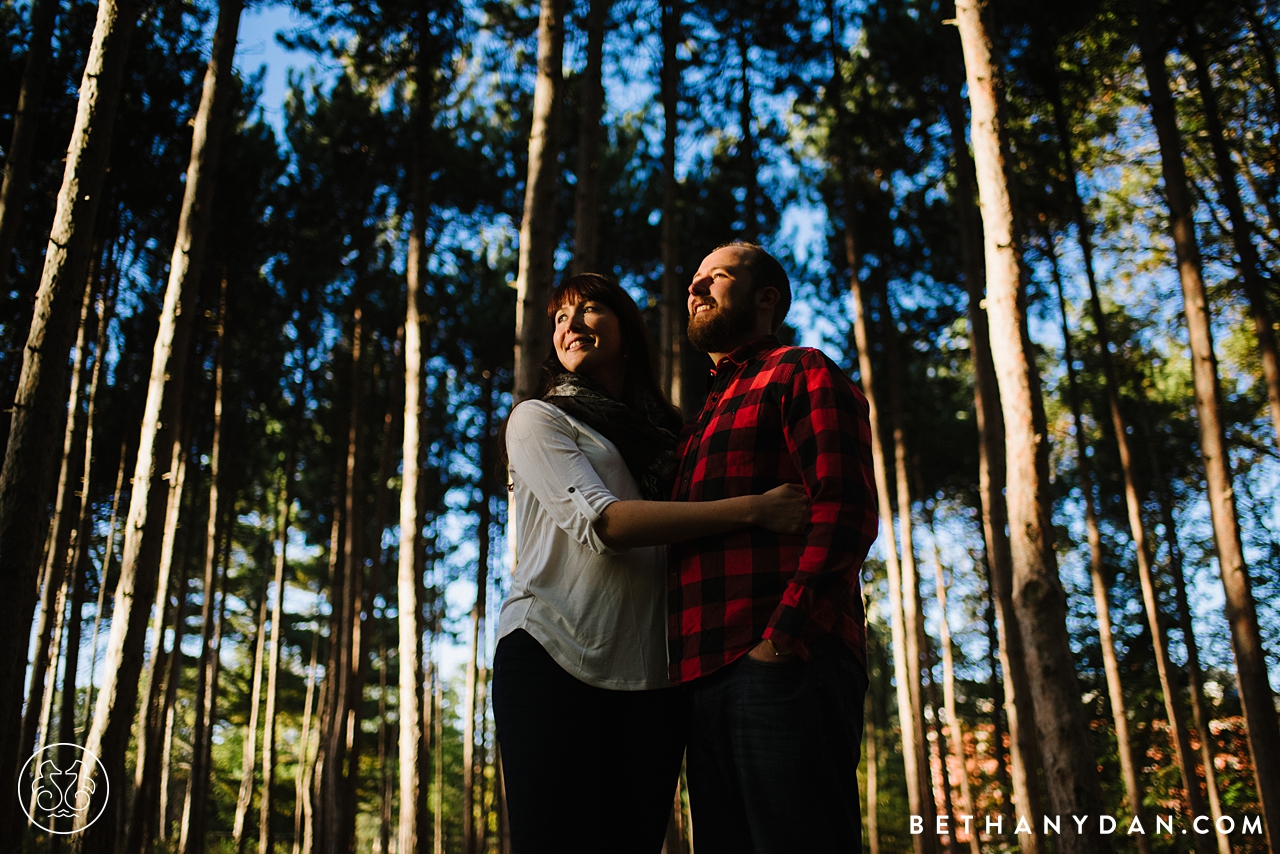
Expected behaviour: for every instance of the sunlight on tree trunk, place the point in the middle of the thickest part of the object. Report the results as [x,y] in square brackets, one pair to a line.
[1241,610]
[1070,770]
[538,225]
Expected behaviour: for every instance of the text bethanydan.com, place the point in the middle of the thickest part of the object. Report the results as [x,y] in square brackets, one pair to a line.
[1167,825]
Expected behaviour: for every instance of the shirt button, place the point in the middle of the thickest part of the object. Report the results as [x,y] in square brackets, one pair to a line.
[571,489]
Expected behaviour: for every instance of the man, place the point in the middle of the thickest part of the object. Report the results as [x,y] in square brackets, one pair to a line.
[768,631]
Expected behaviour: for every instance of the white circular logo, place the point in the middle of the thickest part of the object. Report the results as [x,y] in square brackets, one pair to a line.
[49,788]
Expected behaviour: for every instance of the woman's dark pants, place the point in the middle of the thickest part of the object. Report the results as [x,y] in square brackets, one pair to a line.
[587,769]
[773,755]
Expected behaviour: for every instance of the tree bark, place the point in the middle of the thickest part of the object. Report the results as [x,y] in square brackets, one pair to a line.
[1039,599]
[49,618]
[249,756]
[538,225]
[108,552]
[1133,499]
[1097,570]
[39,404]
[283,502]
[475,662]
[174,659]
[912,610]
[82,531]
[191,840]
[305,761]
[1241,610]
[912,736]
[1195,674]
[437,724]
[873,760]
[674,312]
[1250,267]
[955,732]
[148,728]
[586,211]
[195,808]
[412,746]
[1024,751]
[17,161]
[109,734]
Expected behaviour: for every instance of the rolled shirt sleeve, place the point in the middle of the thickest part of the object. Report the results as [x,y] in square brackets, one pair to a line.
[542,448]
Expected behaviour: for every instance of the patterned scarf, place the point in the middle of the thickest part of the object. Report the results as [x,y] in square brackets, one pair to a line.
[646,439]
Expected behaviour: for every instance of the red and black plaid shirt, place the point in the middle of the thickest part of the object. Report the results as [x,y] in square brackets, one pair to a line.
[774,415]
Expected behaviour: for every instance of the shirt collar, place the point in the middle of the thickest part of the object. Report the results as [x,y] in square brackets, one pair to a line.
[747,352]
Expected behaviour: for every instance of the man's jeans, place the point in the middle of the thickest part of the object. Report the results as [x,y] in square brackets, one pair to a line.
[773,755]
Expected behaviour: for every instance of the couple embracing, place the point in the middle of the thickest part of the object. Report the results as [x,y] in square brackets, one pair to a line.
[690,588]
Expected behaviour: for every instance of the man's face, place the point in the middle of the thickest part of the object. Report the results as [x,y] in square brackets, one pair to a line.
[722,306]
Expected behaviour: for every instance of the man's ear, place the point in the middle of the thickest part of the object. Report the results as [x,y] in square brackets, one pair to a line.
[767,298]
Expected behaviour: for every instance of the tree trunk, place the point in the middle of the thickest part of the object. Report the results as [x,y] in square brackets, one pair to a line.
[82,531]
[912,611]
[384,747]
[940,740]
[586,210]
[955,732]
[156,807]
[412,746]
[1024,752]
[382,496]
[1039,599]
[1097,570]
[873,763]
[26,482]
[249,756]
[1242,614]
[1195,674]
[1133,498]
[912,737]
[17,161]
[147,728]
[538,225]
[109,734]
[912,743]
[193,822]
[305,761]
[994,656]
[108,552]
[437,723]
[674,305]
[1250,268]
[49,618]
[475,664]
[195,807]
[265,838]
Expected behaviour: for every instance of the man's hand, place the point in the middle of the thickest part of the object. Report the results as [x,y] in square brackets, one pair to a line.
[770,653]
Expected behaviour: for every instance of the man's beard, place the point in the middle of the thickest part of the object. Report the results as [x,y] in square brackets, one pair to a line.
[720,329]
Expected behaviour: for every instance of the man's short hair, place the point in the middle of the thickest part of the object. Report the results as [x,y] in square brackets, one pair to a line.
[766,272]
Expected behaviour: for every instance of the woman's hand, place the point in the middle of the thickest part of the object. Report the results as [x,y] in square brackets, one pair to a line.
[783,509]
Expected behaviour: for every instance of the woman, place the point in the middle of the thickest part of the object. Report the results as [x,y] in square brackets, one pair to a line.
[591,736]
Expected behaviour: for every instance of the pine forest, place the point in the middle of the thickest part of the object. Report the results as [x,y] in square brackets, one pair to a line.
[256,359]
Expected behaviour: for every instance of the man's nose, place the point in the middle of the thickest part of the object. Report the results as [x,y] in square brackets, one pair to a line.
[700,285]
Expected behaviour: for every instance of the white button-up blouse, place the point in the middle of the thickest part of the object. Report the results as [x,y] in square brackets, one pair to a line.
[599,613]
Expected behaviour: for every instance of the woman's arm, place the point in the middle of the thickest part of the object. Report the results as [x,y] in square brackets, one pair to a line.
[627,524]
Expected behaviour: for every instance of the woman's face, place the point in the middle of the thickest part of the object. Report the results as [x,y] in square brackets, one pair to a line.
[588,340]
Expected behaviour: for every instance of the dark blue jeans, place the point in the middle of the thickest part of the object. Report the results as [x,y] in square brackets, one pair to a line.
[773,755]
[587,770]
